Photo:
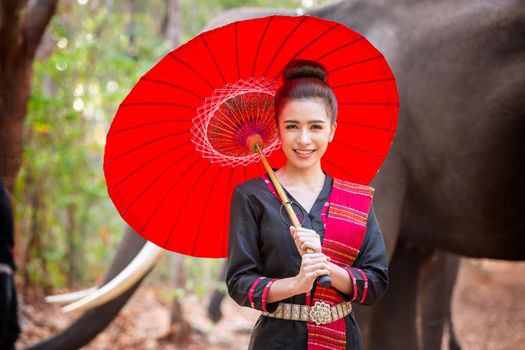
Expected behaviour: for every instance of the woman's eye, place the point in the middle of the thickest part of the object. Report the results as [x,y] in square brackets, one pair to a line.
[291,126]
[316,126]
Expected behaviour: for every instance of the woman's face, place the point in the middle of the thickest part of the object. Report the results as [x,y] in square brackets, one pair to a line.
[305,131]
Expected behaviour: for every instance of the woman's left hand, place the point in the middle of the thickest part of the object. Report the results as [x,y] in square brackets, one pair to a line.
[306,239]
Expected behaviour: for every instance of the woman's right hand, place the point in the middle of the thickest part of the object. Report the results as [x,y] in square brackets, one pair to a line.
[313,265]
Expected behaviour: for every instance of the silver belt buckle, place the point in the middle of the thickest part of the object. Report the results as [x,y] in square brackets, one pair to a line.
[320,313]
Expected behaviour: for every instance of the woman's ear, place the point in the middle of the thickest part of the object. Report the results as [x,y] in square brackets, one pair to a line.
[332,132]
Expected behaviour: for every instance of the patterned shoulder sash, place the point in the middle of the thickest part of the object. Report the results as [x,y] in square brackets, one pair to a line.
[345,225]
[345,228]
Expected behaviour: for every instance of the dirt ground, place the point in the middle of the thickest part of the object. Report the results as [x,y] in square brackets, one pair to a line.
[488,312]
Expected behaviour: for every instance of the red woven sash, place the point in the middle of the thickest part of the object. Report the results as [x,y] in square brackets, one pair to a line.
[345,228]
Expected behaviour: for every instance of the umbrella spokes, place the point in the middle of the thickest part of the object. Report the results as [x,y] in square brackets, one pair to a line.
[239,118]
[231,116]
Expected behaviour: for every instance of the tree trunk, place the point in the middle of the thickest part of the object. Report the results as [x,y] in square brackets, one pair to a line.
[171,24]
[21,28]
[179,330]
[72,256]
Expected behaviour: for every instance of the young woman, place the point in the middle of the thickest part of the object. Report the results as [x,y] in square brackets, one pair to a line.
[269,267]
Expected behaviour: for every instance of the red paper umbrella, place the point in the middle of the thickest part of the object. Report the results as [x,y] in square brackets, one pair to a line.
[178,143]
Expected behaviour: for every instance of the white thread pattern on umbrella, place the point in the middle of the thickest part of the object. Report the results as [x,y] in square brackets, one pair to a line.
[230,115]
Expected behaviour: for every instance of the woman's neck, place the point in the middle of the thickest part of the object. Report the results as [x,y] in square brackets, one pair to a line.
[293,177]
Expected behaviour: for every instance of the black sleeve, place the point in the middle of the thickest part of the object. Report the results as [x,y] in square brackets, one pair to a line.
[370,269]
[244,279]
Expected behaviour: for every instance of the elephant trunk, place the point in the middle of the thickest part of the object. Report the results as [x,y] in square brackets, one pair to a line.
[92,322]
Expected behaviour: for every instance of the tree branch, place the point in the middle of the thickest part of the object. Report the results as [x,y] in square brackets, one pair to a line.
[39,14]
[9,31]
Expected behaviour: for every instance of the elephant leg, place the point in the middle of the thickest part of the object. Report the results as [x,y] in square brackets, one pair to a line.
[388,204]
[92,322]
[214,307]
[393,321]
[437,280]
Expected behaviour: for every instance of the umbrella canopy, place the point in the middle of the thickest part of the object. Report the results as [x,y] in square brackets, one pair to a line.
[178,143]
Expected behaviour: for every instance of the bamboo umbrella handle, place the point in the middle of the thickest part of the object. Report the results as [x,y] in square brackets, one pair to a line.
[325,280]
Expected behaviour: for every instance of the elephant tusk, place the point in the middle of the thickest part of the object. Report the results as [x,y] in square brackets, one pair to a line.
[143,262]
[69,297]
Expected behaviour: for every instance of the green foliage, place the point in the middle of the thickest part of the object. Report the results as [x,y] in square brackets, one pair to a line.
[67,226]
[75,94]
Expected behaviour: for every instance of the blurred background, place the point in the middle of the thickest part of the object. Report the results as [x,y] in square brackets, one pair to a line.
[91,55]
[67,229]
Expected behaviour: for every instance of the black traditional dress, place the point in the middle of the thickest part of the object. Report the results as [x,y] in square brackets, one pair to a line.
[261,249]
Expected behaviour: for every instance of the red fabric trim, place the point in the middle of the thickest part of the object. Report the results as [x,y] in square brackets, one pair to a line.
[354,282]
[265,293]
[252,289]
[270,186]
[365,290]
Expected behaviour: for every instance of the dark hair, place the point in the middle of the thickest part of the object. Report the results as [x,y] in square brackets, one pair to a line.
[304,79]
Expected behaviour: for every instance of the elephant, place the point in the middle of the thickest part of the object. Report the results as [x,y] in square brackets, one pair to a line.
[450,185]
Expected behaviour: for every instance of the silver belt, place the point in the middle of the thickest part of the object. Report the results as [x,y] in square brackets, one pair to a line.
[6,269]
[320,312]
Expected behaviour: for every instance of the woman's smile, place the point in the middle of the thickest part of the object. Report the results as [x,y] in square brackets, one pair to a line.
[304,153]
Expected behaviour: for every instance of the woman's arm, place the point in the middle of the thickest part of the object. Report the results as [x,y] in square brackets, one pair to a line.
[312,266]
[366,280]
[244,279]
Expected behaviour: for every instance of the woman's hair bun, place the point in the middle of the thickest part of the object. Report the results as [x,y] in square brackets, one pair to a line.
[305,69]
